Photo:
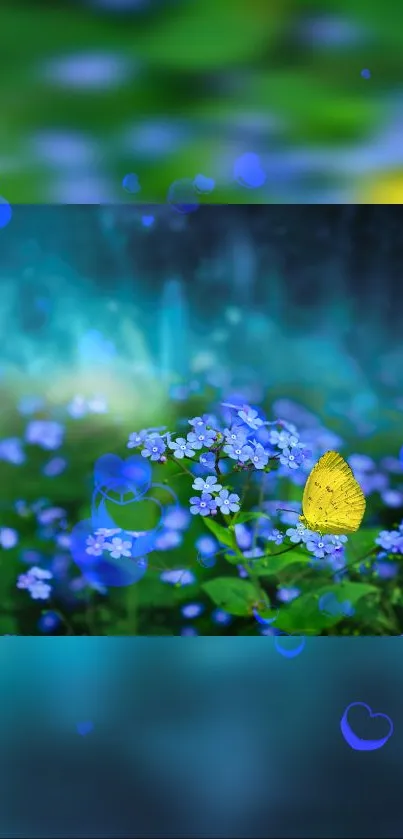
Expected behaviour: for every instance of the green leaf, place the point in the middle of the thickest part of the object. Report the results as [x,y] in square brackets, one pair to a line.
[360,544]
[244,517]
[235,596]
[224,535]
[303,614]
[191,40]
[270,566]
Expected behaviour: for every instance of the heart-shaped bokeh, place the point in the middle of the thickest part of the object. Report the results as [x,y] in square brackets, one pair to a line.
[113,475]
[85,727]
[282,647]
[359,744]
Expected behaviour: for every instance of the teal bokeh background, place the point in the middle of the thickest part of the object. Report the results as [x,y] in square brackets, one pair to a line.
[202,738]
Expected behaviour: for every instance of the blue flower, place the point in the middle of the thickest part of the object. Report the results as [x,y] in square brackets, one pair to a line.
[168,539]
[176,518]
[228,502]
[206,545]
[11,451]
[202,506]
[178,576]
[207,459]
[392,498]
[208,485]
[275,536]
[45,433]
[236,434]
[198,422]
[249,416]
[33,581]
[298,534]
[282,439]
[119,547]
[78,407]
[391,541]
[136,438]
[8,538]
[50,515]
[192,610]
[292,458]
[361,463]
[259,458]
[30,404]
[95,545]
[221,617]
[181,448]
[54,467]
[386,570]
[49,621]
[243,536]
[253,553]
[319,546]
[154,447]
[287,594]
[202,437]
[239,452]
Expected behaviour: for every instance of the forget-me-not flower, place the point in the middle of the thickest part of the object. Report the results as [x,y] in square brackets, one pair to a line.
[207,460]
[202,437]
[250,416]
[203,505]
[228,502]
[45,433]
[239,452]
[207,485]
[154,447]
[95,545]
[119,547]
[181,448]
[11,451]
[259,458]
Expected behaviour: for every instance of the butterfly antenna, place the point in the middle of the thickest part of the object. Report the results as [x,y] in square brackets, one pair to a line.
[286,510]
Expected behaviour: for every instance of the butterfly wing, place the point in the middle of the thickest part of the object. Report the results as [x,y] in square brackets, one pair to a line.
[333,501]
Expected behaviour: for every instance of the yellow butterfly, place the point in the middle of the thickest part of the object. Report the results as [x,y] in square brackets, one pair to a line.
[333,501]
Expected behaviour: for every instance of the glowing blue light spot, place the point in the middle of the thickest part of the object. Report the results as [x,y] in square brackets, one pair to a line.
[203,184]
[366,74]
[131,184]
[248,171]
[5,212]
[147,221]
[84,728]
[183,197]
[192,610]
[48,621]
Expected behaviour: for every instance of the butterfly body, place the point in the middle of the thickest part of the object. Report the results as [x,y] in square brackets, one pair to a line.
[333,502]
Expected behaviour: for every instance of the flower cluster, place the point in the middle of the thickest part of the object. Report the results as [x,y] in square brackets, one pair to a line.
[106,539]
[34,582]
[391,541]
[250,442]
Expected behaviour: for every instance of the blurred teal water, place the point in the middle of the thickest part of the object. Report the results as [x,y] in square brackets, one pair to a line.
[215,738]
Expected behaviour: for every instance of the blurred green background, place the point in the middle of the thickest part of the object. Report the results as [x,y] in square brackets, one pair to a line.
[92,90]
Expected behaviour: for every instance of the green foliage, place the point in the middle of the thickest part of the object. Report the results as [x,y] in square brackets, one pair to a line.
[235,596]
[224,535]
[218,65]
[303,614]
